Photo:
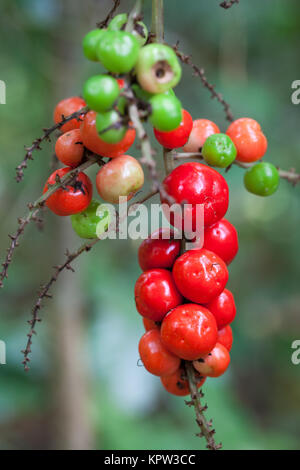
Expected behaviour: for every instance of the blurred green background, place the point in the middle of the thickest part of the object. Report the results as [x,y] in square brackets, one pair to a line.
[84,389]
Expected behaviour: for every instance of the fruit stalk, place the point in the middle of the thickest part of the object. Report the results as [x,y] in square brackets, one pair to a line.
[158,20]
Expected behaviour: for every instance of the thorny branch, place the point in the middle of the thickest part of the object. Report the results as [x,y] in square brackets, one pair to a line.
[34,209]
[228,4]
[205,426]
[104,23]
[36,144]
[200,72]
[70,257]
[291,176]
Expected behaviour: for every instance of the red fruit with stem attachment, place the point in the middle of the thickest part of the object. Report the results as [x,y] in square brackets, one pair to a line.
[156,294]
[223,308]
[75,198]
[157,251]
[225,337]
[189,331]
[93,142]
[195,184]
[215,363]
[177,383]
[250,142]
[178,137]
[67,107]
[202,129]
[154,355]
[69,148]
[222,239]
[200,275]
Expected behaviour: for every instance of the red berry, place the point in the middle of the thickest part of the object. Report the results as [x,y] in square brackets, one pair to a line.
[121,83]
[202,129]
[156,294]
[67,107]
[222,239]
[178,137]
[69,148]
[200,275]
[189,331]
[157,252]
[194,183]
[150,324]
[72,199]
[250,142]
[92,141]
[215,363]
[155,357]
[177,383]
[225,337]
[223,308]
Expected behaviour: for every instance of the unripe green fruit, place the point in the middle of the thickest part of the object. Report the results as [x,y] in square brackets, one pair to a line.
[90,42]
[100,92]
[93,221]
[145,95]
[118,51]
[166,112]
[157,68]
[262,179]
[140,31]
[110,127]
[219,150]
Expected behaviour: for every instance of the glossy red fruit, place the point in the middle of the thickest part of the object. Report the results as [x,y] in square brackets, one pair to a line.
[67,107]
[194,183]
[155,357]
[200,275]
[156,294]
[75,198]
[92,141]
[150,324]
[177,383]
[178,137]
[202,129]
[215,363]
[250,142]
[223,308]
[189,331]
[225,337]
[222,239]
[121,83]
[157,252]
[69,148]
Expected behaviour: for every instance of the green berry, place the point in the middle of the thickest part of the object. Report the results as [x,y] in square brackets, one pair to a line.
[262,179]
[90,42]
[100,92]
[140,31]
[110,127]
[145,95]
[92,222]
[166,112]
[157,68]
[219,150]
[118,51]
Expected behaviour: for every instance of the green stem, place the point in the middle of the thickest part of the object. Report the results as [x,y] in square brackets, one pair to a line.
[158,20]
[135,12]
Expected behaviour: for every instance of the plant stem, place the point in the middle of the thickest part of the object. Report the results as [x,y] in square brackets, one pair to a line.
[135,13]
[168,161]
[158,20]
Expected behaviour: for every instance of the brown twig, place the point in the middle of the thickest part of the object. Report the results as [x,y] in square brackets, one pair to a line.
[205,426]
[228,4]
[199,72]
[104,23]
[36,144]
[34,209]
[291,176]
[70,257]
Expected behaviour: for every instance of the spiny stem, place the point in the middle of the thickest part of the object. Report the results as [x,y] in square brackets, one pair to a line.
[158,20]
[206,427]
